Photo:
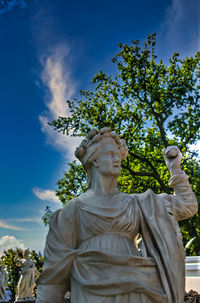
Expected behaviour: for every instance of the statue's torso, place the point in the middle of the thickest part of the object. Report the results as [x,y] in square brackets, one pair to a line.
[111,225]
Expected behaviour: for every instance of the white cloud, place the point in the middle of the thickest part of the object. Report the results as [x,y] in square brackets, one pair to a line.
[7,242]
[174,13]
[5,225]
[180,29]
[46,195]
[57,78]
[24,220]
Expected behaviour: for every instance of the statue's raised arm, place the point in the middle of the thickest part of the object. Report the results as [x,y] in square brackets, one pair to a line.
[184,203]
[90,248]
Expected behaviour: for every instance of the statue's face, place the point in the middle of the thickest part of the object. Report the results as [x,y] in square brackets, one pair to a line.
[26,254]
[109,160]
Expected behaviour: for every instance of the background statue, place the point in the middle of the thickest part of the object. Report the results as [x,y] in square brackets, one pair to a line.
[3,283]
[90,247]
[26,282]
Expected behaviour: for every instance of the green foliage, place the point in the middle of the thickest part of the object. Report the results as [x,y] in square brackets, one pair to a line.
[8,260]
[46,216]
[72,184]
[151,105]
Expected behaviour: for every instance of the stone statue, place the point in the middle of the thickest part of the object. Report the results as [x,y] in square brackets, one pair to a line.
[3,283]
[90,247]
[26,282]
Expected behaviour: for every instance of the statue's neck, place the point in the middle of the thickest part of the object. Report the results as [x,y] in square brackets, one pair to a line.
[104,185]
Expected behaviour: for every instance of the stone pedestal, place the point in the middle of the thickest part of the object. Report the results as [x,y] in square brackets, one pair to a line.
[192,267]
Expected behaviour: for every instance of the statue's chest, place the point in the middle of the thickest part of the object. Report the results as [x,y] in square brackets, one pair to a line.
[118,218]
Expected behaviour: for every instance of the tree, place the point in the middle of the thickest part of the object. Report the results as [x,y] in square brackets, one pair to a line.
[72,184]
[46,216]
[8,260]
[149,104]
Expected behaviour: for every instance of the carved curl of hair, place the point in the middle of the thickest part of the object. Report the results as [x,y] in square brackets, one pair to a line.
[95,136]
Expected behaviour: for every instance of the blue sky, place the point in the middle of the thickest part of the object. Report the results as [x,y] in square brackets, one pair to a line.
[49,50]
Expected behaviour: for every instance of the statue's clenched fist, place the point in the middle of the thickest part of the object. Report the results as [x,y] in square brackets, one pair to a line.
[173,156]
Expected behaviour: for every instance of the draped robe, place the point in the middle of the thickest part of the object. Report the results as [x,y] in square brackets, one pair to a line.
[91,249]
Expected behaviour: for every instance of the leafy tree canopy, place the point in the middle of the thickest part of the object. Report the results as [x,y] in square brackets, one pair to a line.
[149,104]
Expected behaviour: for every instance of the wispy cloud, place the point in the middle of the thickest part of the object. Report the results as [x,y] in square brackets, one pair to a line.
[8,5]
[24,220]
[46,195]
[174,13]
[181,27]
[7,242]
[4,224]
[57,78]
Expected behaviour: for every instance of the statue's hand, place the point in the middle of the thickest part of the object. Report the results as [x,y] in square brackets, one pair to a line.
[173,156]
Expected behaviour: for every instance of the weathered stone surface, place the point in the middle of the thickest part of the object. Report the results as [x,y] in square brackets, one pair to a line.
[26,281]
[3,283]
[190,297]
[91,243]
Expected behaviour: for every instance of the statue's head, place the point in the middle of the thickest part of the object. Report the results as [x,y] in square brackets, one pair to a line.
[26,253]
[103,149]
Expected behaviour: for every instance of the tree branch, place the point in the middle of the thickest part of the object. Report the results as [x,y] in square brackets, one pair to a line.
[160,126]
[187,140]
[137,173]
[192,154]
[160,123]
[145,160]
[147,174]
[156,174]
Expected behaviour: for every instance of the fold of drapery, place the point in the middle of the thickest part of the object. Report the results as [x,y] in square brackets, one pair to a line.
[156,215]
[92,270]
[161,243]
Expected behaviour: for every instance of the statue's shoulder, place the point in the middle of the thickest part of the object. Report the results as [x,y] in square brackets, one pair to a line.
[147,192]
[124,196]
[150,195]
[74,203]
[150,192]
[84,198]
[71,204]
[65,213]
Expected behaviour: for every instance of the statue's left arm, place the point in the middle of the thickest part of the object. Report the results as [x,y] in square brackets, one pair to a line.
[183,202]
